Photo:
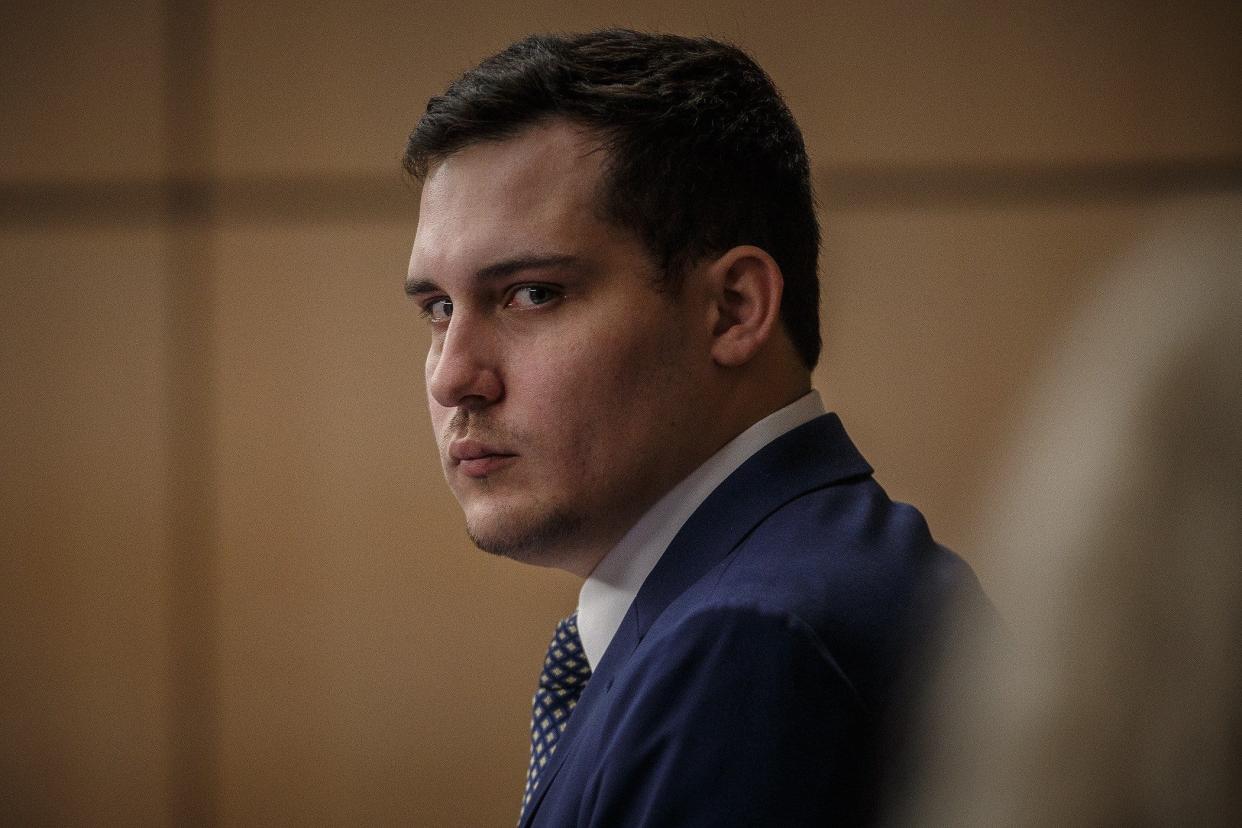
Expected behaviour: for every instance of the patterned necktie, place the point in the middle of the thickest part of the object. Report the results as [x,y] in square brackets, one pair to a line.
[565,673]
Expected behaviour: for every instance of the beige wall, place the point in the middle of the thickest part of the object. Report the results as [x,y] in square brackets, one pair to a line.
[237,591]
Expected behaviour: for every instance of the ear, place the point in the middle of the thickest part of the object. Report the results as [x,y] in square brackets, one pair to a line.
[746,286]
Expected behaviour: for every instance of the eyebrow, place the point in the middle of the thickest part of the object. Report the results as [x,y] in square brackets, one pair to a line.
[499,270]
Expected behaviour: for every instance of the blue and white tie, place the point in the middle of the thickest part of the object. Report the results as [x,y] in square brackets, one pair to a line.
[565,673]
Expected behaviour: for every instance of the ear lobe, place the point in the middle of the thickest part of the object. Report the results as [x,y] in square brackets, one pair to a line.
[747,286]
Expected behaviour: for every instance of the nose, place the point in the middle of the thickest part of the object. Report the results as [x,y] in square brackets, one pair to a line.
[462,369]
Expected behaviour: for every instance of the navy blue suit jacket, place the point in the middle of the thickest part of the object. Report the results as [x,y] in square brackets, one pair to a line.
[758,675]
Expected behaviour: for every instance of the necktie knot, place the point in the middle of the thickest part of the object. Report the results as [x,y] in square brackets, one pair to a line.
[561,681]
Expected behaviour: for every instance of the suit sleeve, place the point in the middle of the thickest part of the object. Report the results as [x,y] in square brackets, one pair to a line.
[735,716]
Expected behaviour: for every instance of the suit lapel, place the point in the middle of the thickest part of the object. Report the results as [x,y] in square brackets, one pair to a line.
[812,456]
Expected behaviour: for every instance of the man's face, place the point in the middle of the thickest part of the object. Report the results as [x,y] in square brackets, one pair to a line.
[563,386]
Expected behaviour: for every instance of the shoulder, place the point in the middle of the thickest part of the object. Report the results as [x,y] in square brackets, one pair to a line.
[845,549]
[841,570]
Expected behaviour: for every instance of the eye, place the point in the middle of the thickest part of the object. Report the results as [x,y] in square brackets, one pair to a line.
[438,310]
[527,297]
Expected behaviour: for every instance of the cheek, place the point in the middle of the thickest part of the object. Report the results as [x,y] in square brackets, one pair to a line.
[589,372]
[612,387]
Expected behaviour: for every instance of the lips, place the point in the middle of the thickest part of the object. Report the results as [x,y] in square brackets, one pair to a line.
[478,459]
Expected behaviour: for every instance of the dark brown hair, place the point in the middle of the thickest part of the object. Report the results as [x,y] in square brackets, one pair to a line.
[704,155]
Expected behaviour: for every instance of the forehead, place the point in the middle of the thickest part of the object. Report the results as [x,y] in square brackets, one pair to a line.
[533,192]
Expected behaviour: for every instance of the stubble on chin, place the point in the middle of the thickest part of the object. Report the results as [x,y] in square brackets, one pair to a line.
[543,540]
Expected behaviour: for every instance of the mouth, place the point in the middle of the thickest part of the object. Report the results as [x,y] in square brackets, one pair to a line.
[476,459]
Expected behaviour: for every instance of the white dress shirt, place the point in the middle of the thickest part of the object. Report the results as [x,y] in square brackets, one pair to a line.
[607,594]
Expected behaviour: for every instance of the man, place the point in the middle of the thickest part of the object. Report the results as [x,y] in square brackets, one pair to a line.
[616,252]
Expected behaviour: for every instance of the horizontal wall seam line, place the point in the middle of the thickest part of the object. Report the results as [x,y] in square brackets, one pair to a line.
[386,197]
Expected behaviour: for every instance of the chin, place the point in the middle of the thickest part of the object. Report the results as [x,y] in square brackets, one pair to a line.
[540,539]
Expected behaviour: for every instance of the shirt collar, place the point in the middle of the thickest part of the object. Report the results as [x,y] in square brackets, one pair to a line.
[606,595]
